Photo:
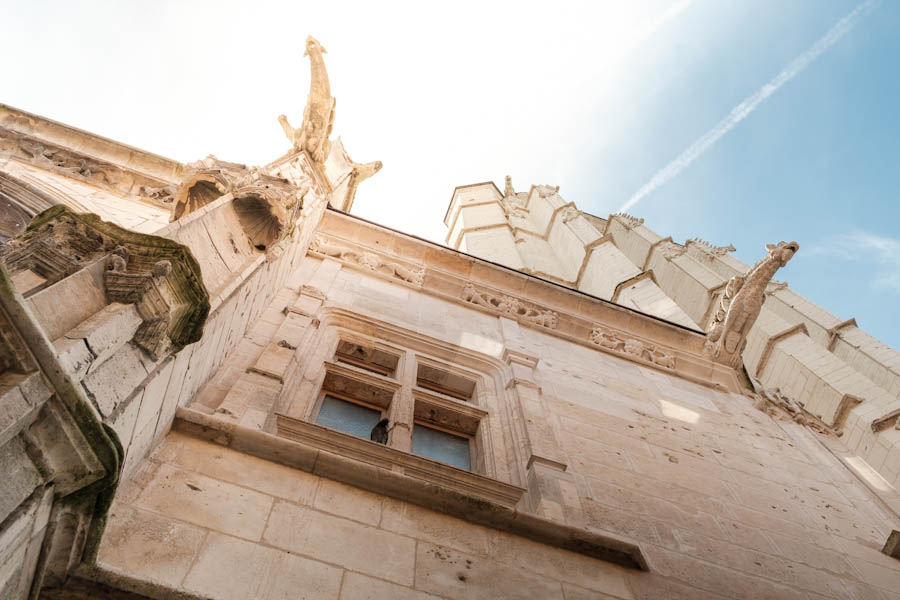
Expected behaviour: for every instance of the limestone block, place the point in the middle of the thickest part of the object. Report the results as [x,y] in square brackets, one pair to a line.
[242,469]
[124,421]
[14,408]
[148,545]
[423,524]
[74,356]
[154,394]
[360,587]
[207,502]
[20,476]
[67,303]
[106,331]
[456,575]
[273,361]
[373,551]
[349,502]
[116,379]
[263,573]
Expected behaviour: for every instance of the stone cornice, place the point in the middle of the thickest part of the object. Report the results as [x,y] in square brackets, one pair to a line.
[550,308]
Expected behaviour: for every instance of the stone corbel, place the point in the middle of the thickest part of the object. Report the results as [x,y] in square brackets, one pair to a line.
[159,276]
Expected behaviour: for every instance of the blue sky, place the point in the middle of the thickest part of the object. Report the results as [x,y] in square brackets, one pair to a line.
[594,97]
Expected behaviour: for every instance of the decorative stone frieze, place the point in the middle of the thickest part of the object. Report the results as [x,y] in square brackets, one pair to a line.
[612,340]
[740,304]
[513,307]
[671,250]
[780,406]
[158,275]
[710,250]
[368,260]
[80,166]
[628,221]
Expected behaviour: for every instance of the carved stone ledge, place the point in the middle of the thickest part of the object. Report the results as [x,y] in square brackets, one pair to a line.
[612,340]
[509,306]
[158,275]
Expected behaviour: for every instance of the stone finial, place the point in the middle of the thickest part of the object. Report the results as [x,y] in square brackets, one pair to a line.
[509,191]
[740,304]
[318,116]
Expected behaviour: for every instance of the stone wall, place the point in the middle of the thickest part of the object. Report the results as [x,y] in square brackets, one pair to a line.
[723,500]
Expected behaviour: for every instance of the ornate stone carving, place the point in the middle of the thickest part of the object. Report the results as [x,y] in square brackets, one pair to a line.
[512,206]
[318,117]
[76,165]
[628,221]
[740,304]
[780,406]
[710,250]
[570,213]
[158,275]
[611,340]
[775,286]
[368,260]
[509,306]
[266,205]
[671,250]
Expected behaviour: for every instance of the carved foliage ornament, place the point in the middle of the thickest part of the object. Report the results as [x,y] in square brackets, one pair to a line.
[86,168]
[740,304]
[159,275]
[368,260]
[611,340]
[509,306]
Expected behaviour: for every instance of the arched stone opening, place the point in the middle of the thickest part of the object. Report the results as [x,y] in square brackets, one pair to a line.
[262,221]
[195,196]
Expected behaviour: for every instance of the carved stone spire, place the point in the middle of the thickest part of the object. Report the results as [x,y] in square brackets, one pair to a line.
[510,190]
[740,305]
[318,117]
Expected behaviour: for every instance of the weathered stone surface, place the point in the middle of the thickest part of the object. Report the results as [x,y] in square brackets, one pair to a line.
[206,502]
[360,587]
[452,574]
[311,533]
[150,545]
[234,569]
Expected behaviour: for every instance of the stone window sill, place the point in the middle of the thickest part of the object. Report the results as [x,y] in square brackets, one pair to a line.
[417,467]
[378,471]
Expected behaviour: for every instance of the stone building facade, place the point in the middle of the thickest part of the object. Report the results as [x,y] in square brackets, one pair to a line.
[193,356]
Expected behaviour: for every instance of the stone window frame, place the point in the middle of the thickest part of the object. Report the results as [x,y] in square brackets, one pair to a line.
[429,408]
[491,440]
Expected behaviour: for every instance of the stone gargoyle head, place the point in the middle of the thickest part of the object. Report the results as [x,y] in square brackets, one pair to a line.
[783,251]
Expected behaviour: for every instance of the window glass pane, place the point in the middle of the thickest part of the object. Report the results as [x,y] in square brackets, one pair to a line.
[445,447]
[347,417]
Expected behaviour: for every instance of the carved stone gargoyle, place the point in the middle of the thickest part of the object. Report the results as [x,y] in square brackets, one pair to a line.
[160,276]
[318,117]
[740,304]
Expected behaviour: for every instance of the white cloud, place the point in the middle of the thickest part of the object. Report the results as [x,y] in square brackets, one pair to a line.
[865,247]
[745,108]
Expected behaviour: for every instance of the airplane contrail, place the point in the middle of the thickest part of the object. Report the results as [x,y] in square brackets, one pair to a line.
[743,110]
